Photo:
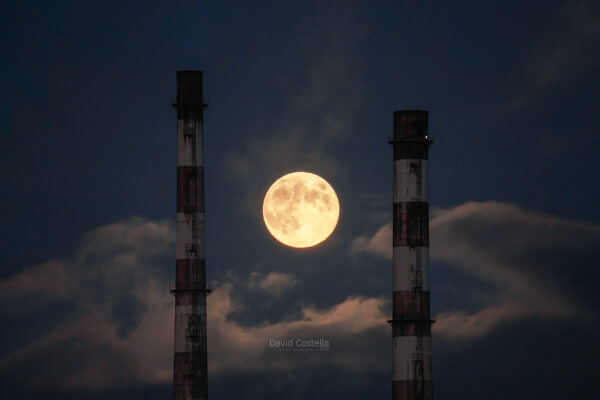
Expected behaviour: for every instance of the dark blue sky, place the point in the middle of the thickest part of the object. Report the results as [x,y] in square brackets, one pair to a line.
[88,190]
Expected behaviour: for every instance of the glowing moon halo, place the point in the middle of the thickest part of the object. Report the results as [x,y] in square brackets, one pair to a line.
[301,209]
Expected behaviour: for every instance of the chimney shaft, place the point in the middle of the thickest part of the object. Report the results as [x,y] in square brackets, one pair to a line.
[190,290]
[411,320]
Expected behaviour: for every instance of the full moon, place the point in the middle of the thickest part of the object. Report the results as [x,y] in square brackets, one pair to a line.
[301,209]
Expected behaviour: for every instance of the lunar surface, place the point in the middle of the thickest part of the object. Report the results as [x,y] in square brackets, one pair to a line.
[301,209]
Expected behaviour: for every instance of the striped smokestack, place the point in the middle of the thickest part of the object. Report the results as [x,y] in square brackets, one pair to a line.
[190,290]
[411,320]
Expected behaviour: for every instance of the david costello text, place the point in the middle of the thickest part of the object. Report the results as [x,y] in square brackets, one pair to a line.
[298,344]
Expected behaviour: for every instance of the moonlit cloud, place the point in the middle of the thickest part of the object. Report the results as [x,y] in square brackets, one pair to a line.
[319,116]
[380,243]
[505,246]
[117,267]
[113,270]
[274,283]
[244,349]
[565,53]
[47,281]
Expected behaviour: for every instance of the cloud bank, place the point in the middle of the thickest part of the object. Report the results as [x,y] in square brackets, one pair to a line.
[517,252]
[121,314]
[116,285]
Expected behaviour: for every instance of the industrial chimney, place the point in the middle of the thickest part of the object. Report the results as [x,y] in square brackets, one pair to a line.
[189,289]
[411,320]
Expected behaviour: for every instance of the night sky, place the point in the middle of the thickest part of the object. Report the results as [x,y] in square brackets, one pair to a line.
[88,163]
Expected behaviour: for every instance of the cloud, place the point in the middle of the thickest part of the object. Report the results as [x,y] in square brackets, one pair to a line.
[123,313]
[518,252]
[321,108]
[461,325]
[274,283]
[380,243]
[120,331]
[568,51]
[47,281]
[234,348]
[113,271]
[89,351]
